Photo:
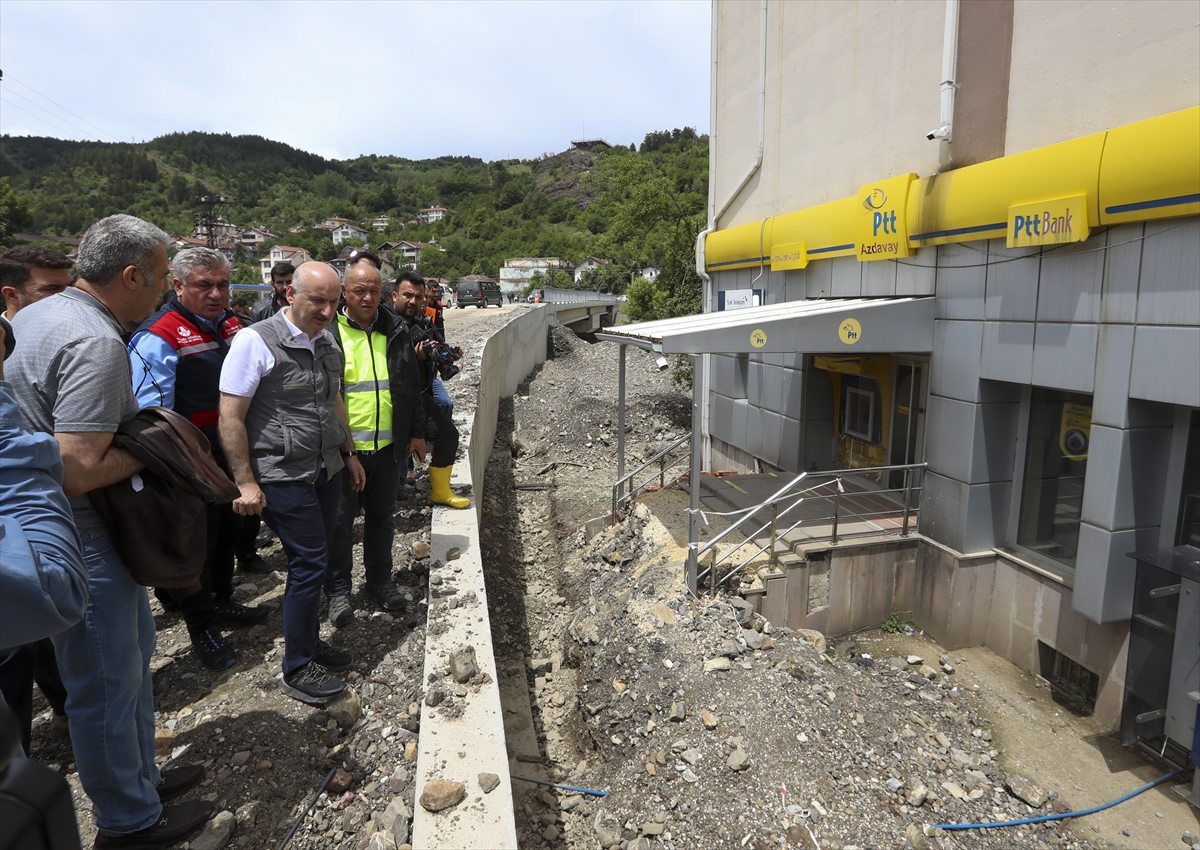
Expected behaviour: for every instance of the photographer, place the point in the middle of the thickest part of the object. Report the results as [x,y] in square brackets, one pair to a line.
[438,358]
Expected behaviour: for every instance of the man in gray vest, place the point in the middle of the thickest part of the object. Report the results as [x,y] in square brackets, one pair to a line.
[284,429]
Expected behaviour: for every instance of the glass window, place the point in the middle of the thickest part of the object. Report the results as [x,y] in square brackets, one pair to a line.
[1187,530]
[860,413]
[1060,425]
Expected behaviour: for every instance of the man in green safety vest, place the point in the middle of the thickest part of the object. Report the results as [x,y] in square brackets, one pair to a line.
[382,389]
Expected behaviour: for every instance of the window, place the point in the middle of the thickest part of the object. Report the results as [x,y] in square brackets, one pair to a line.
[1187,528]
[1055,467]
[860,413]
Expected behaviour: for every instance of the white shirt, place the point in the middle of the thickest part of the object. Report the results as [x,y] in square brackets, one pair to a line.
[249,359]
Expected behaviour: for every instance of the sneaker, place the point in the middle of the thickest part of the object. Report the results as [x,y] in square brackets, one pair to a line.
[235,614]
[178,781]
[173,825]
[331,658]
[387,596]
[59,727]
[312,684]
[340,611]
[253,564]
[212,650]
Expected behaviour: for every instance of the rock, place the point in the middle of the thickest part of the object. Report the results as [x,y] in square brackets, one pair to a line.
[814,638]
[246,816]
[541,666]
[164,741]
[239,759]
[420,550]
[948,669]
[342,802]
[265,764]
[651,769]
[690,756]
[489,782]
[396,819]
[716,665]
[346,709]
[743,610]
[216,834]
[663,614]
[954,790]
[463,666]
[915,838]
[341,782]
[943,739]
[653,827]
[620,686]
[963,759]
[642,843]
[440,794]
[381,841]
[927,672]
[708,719]
[915,659]
[550,833]
[916,794]
[1189,838]
[738,760]
[690,776]
[894,785]
[1026,791]
[678,712]
[753,639]
[608,834]
[410,751]
[730,649]
[398,780]
[435,698]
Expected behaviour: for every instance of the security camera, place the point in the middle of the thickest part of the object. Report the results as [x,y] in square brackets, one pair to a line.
[942,132]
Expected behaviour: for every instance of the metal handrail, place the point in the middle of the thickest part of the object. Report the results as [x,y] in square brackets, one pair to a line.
[788,491]
[619,497]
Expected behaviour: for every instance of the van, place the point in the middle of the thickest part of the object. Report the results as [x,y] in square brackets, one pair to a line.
[447,296]
[478,292]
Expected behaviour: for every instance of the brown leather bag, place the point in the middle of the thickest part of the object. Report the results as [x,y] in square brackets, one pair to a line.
[156,517]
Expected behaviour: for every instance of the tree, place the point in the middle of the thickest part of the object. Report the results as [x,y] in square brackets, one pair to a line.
[16,214]
[607,278]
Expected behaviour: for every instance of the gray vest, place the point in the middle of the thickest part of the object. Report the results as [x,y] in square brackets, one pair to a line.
[292,422]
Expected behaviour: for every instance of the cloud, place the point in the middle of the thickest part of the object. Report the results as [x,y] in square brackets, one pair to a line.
[414,79]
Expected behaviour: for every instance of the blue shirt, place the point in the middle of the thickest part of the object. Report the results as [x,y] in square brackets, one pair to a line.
[43,579]
[154,363]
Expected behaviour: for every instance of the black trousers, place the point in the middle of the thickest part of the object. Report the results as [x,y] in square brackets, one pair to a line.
[378,503]
[441,431]
[20,667]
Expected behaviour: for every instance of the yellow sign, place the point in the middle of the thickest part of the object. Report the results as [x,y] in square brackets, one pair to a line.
[1048,222]
[790,255]
[849,331]
[1076,431]
[758,337]
[882,219]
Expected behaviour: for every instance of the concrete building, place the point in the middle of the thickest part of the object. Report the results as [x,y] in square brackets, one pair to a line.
[973,230]
[516,272]
[587,265]
[431,214]
[282,254]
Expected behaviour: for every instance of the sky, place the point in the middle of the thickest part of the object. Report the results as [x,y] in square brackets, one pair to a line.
[418,79]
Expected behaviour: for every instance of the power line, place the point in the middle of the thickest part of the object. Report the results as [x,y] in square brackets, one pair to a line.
[48,112]
[38,117]
[11,78]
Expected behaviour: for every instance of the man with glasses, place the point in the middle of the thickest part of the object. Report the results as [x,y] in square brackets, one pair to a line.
[176,357]
[281,279]
[382,392]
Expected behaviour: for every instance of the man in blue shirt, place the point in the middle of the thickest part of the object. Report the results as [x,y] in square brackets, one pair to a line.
[176,359]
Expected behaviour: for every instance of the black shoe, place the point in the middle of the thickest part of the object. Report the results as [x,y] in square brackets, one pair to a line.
[265,538]
[235,614]
[331,658]
[178,781]
[387,595]
[173,825]
[212,650]
[312,684]
[253,564]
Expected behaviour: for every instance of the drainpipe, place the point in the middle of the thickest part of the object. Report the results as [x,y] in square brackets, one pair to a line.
[944,133]
[715,212]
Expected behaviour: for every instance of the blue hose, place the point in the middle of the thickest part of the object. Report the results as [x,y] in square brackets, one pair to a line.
[1065,815]
[564,787]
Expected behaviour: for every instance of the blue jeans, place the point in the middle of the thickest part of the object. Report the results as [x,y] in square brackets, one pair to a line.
[304,517]
[442,397]
[105,665]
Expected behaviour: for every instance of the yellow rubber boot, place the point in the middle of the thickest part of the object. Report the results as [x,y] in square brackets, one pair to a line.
[439,480]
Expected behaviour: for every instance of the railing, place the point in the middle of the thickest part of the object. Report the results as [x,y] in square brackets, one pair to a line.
[620,497]
[552,294]
[792,494]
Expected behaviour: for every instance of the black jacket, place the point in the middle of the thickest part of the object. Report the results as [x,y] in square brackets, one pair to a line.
[404,377]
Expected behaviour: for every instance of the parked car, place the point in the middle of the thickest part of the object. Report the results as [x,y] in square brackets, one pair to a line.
[478,292]
[447,296]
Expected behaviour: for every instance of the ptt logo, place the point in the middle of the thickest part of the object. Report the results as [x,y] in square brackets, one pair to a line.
[875,200]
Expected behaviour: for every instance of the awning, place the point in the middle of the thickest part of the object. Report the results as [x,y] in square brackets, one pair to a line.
[895,325]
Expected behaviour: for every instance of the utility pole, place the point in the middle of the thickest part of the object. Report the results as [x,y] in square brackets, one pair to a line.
[207,219]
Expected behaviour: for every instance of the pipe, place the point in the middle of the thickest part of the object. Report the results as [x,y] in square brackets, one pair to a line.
[1064,815]
[949,70]
[590,791]
[299,820]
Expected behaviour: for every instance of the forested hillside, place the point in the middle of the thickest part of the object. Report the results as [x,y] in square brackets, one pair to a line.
[634,207]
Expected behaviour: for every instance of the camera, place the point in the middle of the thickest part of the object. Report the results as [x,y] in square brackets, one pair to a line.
[941,133]
[442,357]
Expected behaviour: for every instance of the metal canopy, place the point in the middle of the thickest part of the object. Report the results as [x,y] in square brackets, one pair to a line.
[883,325]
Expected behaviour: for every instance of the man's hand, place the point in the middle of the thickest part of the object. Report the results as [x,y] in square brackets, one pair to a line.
[252,501]
[416,449]
[422,349]
[358,475]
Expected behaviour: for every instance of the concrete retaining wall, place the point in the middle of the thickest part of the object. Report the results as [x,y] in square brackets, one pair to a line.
[458,749]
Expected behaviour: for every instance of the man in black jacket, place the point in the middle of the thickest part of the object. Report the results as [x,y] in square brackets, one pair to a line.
[382,393]
[281,278]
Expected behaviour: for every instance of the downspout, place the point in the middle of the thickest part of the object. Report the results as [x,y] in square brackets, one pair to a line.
[944,133]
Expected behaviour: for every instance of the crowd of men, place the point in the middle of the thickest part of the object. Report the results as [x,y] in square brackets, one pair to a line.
[315,403]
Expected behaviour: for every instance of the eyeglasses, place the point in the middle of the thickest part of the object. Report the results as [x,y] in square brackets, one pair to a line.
[363,254]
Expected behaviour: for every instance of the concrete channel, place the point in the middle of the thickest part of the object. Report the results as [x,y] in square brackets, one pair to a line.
[469,746]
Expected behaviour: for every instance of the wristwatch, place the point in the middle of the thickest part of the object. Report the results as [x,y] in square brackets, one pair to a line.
[351,453]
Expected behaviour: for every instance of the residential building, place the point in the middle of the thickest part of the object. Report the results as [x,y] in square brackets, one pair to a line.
[998,277]
[282,254]
[254,237]
[589,264]
[407,255]
[345,231]
[431,214]
[224,231]
[334,222]
[379,224]
[516,272]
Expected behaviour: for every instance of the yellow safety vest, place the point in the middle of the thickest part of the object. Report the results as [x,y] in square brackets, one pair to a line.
[368,397]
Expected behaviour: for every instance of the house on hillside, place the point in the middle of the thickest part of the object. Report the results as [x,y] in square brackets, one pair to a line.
[431,214]
[649,273]
[589,264]
[282,254]
[299,228]
[379,223]
[346,230]
[516,272]
[223,231]
[254,237]
[331,223]
[408,254]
